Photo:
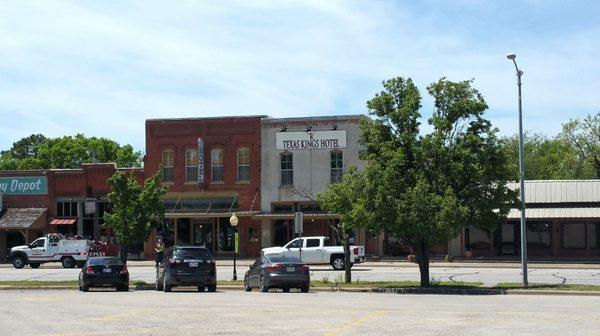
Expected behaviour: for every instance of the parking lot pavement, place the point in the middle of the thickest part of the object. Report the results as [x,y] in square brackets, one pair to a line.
[61,313]
[488,276]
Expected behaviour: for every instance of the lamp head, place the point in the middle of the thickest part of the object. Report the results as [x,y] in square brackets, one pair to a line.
[233,220]
[511,56]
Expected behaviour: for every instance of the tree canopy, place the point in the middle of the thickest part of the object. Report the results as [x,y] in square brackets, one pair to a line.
[39,152]
[426,188]
[135,208]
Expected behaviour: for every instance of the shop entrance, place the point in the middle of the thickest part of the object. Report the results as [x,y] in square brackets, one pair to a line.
[282,232]
[508,239]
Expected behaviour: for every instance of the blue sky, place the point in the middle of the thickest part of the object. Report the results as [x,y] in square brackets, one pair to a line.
[102,68]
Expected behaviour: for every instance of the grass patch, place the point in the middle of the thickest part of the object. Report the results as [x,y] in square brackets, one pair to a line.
[39,283]
[230,282]
[538,286]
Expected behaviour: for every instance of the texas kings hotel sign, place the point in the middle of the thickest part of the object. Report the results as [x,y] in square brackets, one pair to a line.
[311,140]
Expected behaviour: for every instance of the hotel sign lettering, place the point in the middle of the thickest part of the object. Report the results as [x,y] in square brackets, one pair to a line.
[311,140]
[36,185]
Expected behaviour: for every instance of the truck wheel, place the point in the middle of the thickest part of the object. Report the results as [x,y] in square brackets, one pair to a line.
[34,265]
[68,262]
[19,262]
[337,262]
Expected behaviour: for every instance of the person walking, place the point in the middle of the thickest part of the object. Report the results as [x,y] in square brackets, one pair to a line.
[159,249]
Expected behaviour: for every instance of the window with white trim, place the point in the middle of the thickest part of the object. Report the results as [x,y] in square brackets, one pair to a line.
[243,164]
[191,165]
[168,169]
[216,165]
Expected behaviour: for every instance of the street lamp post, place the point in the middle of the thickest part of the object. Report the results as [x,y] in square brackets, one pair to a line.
[233,220]
[512,57]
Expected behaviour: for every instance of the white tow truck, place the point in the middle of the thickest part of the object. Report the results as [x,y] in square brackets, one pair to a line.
[318,250]
[50,248]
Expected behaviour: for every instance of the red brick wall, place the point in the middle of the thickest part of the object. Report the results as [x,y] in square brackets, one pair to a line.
[228,134]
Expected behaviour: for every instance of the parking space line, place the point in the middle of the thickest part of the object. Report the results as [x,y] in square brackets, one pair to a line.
[355,323]
[117,316]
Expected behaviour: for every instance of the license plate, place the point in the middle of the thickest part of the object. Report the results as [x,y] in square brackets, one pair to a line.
[291,269]
[193,264]
[107,270]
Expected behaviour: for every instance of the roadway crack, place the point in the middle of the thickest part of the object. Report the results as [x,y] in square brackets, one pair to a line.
[563,279]
[451,278]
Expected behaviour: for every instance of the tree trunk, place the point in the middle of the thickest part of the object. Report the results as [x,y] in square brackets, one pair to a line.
[123,253]
[346,243]
[422,254]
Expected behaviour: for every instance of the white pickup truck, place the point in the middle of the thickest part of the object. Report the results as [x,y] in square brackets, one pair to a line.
[317,250]
[51,248]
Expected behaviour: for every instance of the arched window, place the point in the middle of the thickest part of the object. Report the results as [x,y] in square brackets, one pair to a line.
[243,164]
[191,165]
[287,169]
[216,165]
[168,158]
[337,166]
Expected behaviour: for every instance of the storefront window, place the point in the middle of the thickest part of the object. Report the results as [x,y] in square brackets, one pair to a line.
[216,164]
[337,169]
[539,235]
[592,235]
[191,165]
[168,165]
[573,235]
[243,164]
[287,169]
[479,239]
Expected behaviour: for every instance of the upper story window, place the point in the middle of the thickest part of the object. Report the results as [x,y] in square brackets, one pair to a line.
[287,169]
[168,168]
[191,165]
[216,165]
[66,209]
[337,167]
[243,164]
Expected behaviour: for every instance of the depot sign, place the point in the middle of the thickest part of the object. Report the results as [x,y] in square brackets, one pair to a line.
[36,185]
[311,140]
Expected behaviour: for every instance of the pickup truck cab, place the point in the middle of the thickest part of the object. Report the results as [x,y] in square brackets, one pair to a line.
[51,248]
[318,250]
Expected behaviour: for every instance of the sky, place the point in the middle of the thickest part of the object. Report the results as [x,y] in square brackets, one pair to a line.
[103,67]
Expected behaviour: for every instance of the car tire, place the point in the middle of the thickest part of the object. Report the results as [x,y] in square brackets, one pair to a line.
[261,285]
[85,287]
[201,288]
[167,286]
[158,286]
[124,288]
[68,262]
[19,262]
[304,289]
[34,265]
[337,263]
[247,287]
[212,288]
[286,289]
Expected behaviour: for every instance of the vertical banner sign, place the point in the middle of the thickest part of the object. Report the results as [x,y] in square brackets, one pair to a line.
[298,227]
[200,161]
[236,242]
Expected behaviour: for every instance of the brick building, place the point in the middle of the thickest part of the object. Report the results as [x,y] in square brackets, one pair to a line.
[68,201]
[212,168]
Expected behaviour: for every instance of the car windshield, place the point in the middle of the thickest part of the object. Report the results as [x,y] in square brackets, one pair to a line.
[104,261]
[201,254]
[283,259]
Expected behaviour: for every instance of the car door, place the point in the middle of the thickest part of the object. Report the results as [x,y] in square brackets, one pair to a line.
[38,248]
[254,273]
[312,253]
[292,249]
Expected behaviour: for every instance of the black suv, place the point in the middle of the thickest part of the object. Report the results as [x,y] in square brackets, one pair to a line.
[186,266]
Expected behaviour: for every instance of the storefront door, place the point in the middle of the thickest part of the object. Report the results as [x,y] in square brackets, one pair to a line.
[508,239]
[253,245]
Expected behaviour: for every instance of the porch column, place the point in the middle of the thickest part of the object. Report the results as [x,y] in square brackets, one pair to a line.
[80,219]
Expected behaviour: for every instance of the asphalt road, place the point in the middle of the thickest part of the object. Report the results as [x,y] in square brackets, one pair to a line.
[62,313]
[488,276]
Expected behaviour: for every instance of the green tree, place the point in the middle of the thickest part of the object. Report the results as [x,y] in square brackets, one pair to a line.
[135,209]
[546,158]
[425,189]
[584,136]
[38,152]
[343,199]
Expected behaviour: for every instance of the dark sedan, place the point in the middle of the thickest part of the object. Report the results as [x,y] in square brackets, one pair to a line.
[277,272]
[187,266]
[104,272]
